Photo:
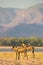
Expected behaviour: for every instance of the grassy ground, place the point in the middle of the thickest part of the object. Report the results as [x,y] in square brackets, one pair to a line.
[9,58]
[13,55]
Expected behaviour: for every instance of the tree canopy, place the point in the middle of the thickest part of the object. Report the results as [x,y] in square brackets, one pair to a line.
[12,41]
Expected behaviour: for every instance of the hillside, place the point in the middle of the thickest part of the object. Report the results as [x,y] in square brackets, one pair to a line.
[21,22]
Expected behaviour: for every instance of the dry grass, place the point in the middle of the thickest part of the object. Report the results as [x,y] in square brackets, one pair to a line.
[9,58]
[13,55]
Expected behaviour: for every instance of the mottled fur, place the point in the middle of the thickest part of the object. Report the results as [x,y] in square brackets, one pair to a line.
[23,49]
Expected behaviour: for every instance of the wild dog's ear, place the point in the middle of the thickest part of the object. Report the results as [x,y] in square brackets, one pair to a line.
[12,46]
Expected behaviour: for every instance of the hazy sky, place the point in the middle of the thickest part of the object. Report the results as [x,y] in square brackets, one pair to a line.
[19,3]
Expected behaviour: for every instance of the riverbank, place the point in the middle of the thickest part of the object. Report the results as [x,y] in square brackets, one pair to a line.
[11,47]
[5,46]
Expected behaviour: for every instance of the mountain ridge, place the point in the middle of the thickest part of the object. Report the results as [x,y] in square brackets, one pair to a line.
[13,19]
[25,30]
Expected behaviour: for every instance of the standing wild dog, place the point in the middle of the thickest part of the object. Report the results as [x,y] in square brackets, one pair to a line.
[23,49]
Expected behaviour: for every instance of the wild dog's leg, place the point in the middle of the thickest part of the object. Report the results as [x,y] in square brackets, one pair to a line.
[25,55]
[33,52]
[18,55]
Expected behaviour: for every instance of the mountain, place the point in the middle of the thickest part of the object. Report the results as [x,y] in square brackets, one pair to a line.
[22,22]
[25,30]
[2,29]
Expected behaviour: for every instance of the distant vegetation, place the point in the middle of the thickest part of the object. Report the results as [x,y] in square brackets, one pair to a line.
[8,41]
